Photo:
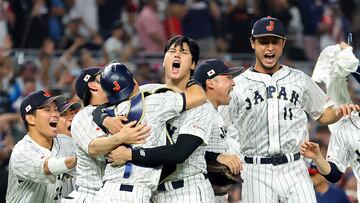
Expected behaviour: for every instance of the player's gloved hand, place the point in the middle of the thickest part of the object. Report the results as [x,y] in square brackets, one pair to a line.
[133,135]
[114,124]
[346,109]
[119,156]
[310,150]
[232,161]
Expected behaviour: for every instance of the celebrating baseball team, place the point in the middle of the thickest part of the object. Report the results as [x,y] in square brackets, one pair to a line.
[209,128]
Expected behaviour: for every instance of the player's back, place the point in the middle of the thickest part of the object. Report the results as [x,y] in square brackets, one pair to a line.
[157,108]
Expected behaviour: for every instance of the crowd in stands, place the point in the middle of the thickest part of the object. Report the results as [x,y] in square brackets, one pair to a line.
[69,35]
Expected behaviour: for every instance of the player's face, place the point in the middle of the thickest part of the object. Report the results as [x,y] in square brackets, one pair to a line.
[100,94]
[223,85]
[64,123]
[268,51]
[45,120]
[178,62]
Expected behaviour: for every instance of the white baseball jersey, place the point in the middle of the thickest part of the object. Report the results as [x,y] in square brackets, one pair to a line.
[83,131]
[158,108]
[217,140]
[27,179]
[197,121]
[64,183]
[269,113]
[344,146]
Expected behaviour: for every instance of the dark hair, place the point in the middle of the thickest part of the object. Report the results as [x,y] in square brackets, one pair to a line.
[26,124]
[179,40]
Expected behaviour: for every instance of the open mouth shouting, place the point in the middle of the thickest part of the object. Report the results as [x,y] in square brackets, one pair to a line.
[53,124]
[269,58]
[176,66]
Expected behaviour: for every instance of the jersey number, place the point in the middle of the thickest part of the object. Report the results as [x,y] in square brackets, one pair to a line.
[288,113]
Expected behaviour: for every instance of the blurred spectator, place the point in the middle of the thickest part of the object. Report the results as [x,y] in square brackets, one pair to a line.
[350,188]
[5,16]
[45,61]
[116,46]
[24,82]
[325,192]
[72,32]
[198,22]
[239,24]
[323,134]
[6,146]
[172,21]
[147,73]
[31,23]
[150,29]
[311,15]
[111,11]
[334,26]
[87,11]
[56,29]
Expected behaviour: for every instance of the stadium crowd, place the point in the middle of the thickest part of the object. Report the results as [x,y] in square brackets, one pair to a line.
[46,43]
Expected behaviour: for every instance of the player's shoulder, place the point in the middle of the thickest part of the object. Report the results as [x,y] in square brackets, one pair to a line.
[84,113]
[25,145]
[61,138]
[207,107]
[150,87]
[294,71]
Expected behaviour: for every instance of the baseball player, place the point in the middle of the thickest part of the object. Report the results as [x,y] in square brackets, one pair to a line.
[216,78]
[344,146]
[64,183]
[189,182]
[138,184]
[268,109]
[91,142]
[32,163]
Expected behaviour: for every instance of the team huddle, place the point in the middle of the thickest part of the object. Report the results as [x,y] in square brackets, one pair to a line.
[155,143]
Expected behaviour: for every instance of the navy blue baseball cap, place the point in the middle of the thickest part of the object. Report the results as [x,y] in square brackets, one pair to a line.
[81,85]
[211,68]
[68,105]
[38,99]
[268,26]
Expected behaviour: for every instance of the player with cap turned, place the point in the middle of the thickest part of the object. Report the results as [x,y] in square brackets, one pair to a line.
[32,163]
[268,108]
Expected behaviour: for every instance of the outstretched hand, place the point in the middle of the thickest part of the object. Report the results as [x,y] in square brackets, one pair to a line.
[310,150]
[346,109]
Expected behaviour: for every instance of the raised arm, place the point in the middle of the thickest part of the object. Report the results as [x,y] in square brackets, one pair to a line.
[332,115]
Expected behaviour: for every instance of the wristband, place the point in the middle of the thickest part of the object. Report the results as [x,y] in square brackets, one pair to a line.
[57,166]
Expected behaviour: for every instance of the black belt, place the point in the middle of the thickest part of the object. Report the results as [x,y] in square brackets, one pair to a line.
[274,160]
[128,188]
[175,184]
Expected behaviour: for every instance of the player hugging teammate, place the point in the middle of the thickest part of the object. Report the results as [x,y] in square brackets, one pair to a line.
[138,146]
